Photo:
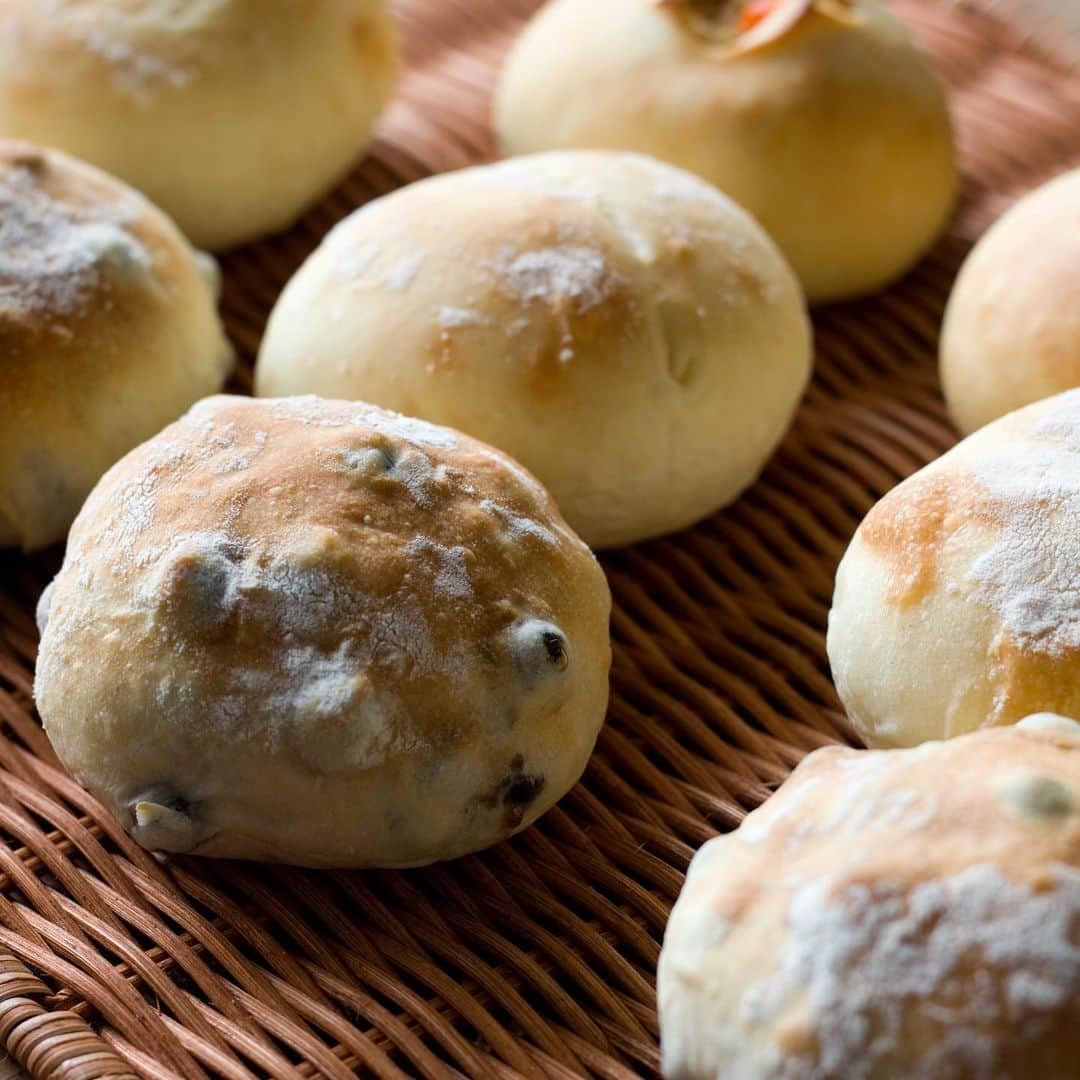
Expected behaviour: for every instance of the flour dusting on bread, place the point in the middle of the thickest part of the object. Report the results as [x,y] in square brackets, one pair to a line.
[1030,573]
[57,251]
[377,622]
[888,913]
[852,951]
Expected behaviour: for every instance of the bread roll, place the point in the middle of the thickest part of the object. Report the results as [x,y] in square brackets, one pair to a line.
[957,604]
[617,325]
[901,913]
[1012,327]
[108,330]
[818,116]
[232,115]
[320,633]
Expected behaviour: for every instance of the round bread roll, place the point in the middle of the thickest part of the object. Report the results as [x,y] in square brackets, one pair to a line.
[1012,326]
[320,633]
[617,325]
[899,913]
[818,116]
[108,331]
[957,604]
[232,115]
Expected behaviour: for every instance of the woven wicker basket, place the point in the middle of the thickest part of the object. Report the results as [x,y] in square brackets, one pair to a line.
[537,957]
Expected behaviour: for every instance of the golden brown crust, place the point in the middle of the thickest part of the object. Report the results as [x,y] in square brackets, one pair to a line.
[107,326]
[975,562]
[964,818]
[910,528]
[77,243]
[615,324]
[347,497]
[342,616]
[280,95]
[891,913]
[559,308]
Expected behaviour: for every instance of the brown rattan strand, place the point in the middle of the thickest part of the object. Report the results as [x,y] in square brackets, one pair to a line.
[536,958]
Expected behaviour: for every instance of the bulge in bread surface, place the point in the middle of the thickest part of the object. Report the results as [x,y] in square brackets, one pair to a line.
[108,330]
[615,324]
[322,633]
[889,913]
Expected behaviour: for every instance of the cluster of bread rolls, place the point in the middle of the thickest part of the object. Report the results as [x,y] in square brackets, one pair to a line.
[339,630]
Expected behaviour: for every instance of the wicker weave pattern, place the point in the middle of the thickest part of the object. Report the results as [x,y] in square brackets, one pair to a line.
[536,958]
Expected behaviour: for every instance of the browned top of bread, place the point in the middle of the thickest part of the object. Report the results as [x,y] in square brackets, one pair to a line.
[74,244]
[1007,797]
[331,552]
[321,632]
[107,329]
[957,604]
[1009,496]
[892,913]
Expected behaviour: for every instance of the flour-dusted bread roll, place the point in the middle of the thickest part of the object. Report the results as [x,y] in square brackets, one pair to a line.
[321,633]
[232,115]
[617,325]
[108,331]
[818,116]
[899,913]
[1012,327]
[957,604]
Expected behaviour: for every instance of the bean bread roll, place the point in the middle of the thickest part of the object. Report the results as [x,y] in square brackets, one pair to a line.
[320,633]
